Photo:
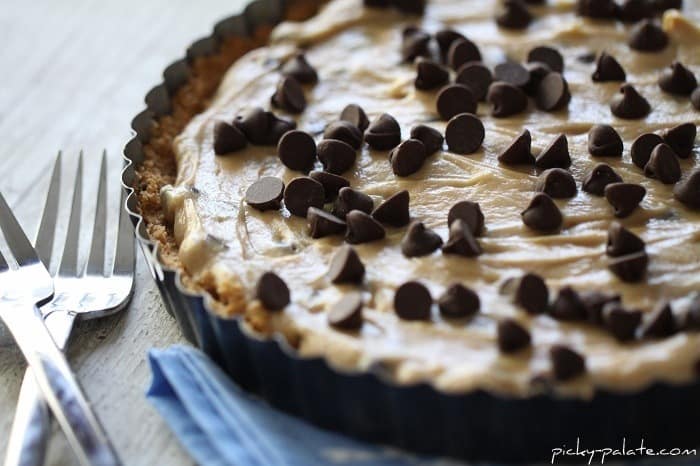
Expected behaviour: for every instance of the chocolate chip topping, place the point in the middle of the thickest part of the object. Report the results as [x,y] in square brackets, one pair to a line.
[695,98]
[394,210]
[663,165]
[299,68]
[430,74]
[595,301]
[414,44]
[346,314]
[678,80]
[261,127]
[642,147]
[297,150]
[692,315]
[477,77]
[384,133]
[461,241]
[557,183]
[227,138]
[630,268]
[598,9]
[331,183]
[604,141]
[511,73]
[621,241]
[354,114]
[272,291]
[470,213]
[662,5]
[408,157]
[362,228]
[265,194]
[519,151]
[277,128]
[599,177]
[462,51]
[542,214]
[464,133]
[631,11]
[514,15]
[346,266]
[622,323]
[322,224]
[629,104]
[681,138]
[512,336]
[608,69]
[529,292]
[351,199]
[566,363]
[552,93]
[568,306]
[661,323]
[412,301]
[647,36]
[445,38]
[430,137]
[624,197]
[537,71]
[547,55]
[455,99]
[420,241]
[289,96]
[302,193]
[336,156]
[555,155]
[458,301]
[344,131]
[506,99]
[688,190]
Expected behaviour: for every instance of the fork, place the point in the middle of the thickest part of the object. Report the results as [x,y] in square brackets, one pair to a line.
[86,293]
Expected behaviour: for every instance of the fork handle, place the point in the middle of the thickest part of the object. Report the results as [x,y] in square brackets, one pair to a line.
[57,383]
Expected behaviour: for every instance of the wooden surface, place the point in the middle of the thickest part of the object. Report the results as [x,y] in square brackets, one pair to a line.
[74,73]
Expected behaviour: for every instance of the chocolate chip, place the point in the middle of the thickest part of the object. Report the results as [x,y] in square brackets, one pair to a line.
[642,147]
[265,194]
[511,73]
[254,123]
[678,80]
[598,178]
[506,99]
[661,323]
[604,141]
[455,99]
[322,224]
[557,183]
[384,133]
[599,9]
[299,68]
[529,292]
[462,51]
[630,268]
[595,301]
[622,323]
[537,71]
[663,5]
[461,241]
[621,241]
[542,214]
[514,15]
[512,336]
[430,75]
[647,36]
[346,314]
[608,69]
[394,210]
[336,156]
[420,241]
[351,199]
[477,77]
[445,38]
[413,7]
[547,55]
[681,138]
[344,131]
[464,133]
[663,165]
[430,137]
[362,228]
[277,127]
[408,157]
[297,150]
[631,11]
[289,96]
[688,190]
[568,306]
[302,193]
[458,301]
[412,301]
[629,104]
[272,291]
[331,183]
[695,98]
[354,114]
[692,316]
[566,363]
[624,197]
[555,155]
[470,213]
[519,151]
[346,266]
[414,44]
[552,93]
[227,138]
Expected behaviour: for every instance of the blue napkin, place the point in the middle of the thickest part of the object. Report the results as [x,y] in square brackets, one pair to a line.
[221,425]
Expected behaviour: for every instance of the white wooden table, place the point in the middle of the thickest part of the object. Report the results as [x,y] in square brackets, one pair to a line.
[72,75]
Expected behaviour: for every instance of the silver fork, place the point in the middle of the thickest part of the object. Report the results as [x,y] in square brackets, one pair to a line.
[86,293]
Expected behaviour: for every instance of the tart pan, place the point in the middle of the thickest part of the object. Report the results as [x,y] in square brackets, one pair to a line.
[368,405]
